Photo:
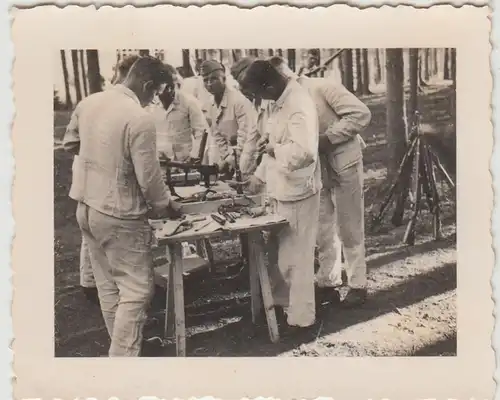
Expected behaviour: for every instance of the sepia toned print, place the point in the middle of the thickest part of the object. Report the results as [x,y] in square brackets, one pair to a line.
[386,213]
[271,212]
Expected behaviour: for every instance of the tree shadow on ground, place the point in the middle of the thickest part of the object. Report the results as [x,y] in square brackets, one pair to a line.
[243,339]
[445,347]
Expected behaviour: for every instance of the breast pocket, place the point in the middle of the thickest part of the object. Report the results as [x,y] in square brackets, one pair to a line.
[228,128]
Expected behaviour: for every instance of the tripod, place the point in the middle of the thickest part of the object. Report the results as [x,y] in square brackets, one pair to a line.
[417,168]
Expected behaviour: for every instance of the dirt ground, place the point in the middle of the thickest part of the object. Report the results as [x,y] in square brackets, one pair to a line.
[411,310]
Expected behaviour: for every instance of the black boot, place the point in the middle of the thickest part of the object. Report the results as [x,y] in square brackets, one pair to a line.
[326,295]
[354,298]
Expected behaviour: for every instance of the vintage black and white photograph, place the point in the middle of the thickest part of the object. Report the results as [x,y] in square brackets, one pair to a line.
[255,202]
[276,202]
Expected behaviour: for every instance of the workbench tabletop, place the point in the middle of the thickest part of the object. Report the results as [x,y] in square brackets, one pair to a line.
[241,225]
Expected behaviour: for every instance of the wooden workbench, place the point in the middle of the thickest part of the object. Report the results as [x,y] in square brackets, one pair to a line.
[249,229]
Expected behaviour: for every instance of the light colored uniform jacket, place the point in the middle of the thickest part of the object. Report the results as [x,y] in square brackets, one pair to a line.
[294,172]
[341,117]
[117,171]
[234,118]
[179,129]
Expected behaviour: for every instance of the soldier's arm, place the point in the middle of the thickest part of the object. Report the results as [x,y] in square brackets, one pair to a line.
[142,144]
[198,125]
[301,147]
[248,135]
[71,141]
[354,114]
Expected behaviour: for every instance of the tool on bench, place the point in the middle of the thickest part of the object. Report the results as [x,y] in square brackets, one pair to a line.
[173,227]
[239,188]
[219,219]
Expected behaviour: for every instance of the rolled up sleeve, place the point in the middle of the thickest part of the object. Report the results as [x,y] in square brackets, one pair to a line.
[142,142]
[300,148]
[354,114]
[71,141]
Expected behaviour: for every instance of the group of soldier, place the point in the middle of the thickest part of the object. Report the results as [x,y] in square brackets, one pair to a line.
[297,141]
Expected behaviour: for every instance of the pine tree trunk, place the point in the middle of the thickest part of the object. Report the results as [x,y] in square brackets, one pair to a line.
[366,73]
[94,73]
[426,65]
[186,64]
[359,72]
[347,77]
[413,100]
[446,72]
[76,74]
[291,59]
[69,103]
[378,68]
[396,132]
[84,74]
[435,66]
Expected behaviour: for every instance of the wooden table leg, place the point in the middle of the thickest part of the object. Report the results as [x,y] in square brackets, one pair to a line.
[169,306]
[255,293]
[256,261]
[178,289]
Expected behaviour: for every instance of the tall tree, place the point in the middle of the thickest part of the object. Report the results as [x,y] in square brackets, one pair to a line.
[396,131]
[69,103]
[347,72]
[435,66]
[446,71]
[413,100]
[76,74]
[186,64]
[366,72]
[94,72]
[426,64]
[291,55]
[143,52]
[84,74]
[359,72]
[378,68]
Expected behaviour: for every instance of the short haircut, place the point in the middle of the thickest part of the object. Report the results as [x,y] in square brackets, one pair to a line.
[276,61]
[314,52]
[260,73]
[151,69]
[126,64]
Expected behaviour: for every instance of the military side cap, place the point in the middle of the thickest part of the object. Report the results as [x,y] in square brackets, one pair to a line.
[240,66]
[209,66]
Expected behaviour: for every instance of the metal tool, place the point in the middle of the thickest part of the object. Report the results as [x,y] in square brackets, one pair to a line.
[203,225]
[219,219]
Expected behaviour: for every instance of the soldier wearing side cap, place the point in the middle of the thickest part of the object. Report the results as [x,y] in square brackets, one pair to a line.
[232,118]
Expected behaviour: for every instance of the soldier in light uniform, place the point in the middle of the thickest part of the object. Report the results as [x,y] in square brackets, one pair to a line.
[87,281]
[180,124]
[291,173]
[233,120]
[342,117]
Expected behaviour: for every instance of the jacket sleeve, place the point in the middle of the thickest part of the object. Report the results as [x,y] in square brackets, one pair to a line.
[300,149]
[354,114]
[198,125]
[248,135]
[71,141]
[142,144]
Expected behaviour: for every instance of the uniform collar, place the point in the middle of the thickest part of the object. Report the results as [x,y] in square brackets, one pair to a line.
[126,91]
[289,87]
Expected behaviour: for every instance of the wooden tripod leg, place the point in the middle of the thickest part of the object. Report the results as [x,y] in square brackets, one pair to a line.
[442,169]
[397,218]
[436,221]
[409,236]
[407,160]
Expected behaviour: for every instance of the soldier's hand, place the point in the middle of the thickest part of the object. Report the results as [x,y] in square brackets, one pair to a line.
[261,144]
[253,185]
[174,210]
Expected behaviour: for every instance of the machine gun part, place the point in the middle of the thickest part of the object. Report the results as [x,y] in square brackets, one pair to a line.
[217,218]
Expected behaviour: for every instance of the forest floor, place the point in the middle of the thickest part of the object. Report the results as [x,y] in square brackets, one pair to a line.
[411,310]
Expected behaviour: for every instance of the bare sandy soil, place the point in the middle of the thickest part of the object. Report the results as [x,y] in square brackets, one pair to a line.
[411,308]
